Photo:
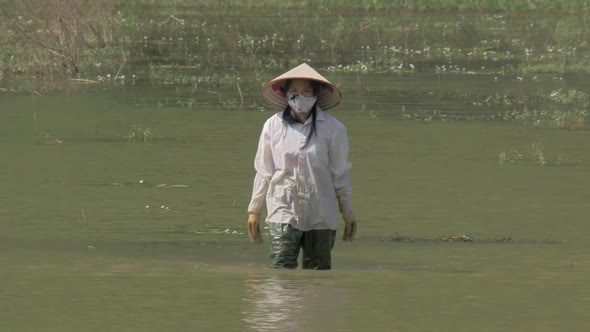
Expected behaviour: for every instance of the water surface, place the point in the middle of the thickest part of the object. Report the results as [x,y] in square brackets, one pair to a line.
[152,257]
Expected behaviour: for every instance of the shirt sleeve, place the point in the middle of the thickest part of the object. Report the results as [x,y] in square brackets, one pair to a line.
[340,167]
[264,165]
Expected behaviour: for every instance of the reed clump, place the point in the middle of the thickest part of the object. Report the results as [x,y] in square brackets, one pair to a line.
[534,153]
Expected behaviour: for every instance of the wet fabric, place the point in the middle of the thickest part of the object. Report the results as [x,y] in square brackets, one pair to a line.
[303,183]
[287,242]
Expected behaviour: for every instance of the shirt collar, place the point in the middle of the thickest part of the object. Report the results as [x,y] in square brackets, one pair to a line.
[319,116]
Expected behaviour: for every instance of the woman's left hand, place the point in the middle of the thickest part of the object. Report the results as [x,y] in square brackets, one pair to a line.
[350,226]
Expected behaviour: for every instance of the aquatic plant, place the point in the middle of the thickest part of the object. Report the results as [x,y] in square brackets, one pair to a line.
[372,113]
[565,119]
[503,158]
[139,133]
[372,5]
[396,238]
[572,97]
[453,238]
[572,119]
[456,238]
[535,153]
[217,231]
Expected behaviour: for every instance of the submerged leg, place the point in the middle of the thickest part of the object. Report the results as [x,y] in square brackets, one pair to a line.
[285,245]
[317,249]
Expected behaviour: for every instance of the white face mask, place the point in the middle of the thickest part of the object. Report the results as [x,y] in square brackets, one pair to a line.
[300,104]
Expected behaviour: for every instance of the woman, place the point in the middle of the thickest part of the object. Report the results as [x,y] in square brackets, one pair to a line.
[302,172]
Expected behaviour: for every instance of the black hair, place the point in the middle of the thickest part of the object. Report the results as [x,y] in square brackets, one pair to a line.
[290,118]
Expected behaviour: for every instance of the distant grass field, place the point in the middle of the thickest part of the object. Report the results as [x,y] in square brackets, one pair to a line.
[222,41]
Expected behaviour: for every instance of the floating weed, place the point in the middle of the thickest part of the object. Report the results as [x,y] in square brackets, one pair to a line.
[454,238]
[139,134]
[146,184]
[217,231]
[396,238]
[535,153]
[48,139]
[425,115]
[503,158]
[457,238]
[372,113]
[563,160]
[569,109]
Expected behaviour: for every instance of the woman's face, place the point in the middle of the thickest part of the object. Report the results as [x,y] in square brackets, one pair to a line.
[301,87]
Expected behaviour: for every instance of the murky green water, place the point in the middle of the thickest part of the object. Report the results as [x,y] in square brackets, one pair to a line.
[100,232]
[176,265]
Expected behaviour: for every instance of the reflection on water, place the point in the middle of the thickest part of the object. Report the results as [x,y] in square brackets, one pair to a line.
[275,303]
[288,301]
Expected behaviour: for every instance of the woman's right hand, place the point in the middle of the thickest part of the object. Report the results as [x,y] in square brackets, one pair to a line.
[254,228]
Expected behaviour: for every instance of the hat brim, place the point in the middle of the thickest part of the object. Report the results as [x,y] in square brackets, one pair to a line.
[328,97]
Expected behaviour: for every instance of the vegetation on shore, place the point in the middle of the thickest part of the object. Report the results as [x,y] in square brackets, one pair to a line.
[240,44]
[80,38]
[388,5]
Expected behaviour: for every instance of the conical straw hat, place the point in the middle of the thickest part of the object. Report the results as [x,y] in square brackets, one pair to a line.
[328,97]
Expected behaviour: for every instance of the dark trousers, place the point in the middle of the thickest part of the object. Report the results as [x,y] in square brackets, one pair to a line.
[287,242]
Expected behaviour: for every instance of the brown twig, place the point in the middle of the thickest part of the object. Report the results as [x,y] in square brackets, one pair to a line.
[240,91]
[26,35]
[120,67]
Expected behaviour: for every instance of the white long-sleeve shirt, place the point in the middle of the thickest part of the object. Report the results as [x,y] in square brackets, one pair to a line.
[302,186]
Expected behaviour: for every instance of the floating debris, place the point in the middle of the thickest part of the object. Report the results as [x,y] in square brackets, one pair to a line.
[397,238]
[52,140]
[83,80]
[457,238]
[217,231]
[164,185]
[143,183]
[504,239]
[451,238]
